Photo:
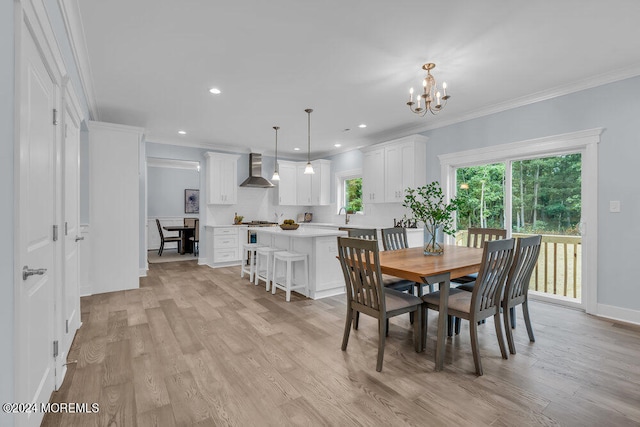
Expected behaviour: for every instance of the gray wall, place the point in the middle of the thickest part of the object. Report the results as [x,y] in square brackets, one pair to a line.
[616,108]
[165,190]
[7,64]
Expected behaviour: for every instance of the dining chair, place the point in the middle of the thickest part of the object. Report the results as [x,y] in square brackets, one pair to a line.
[164,239]
[195,239]
[394,238]
[190,222]
[366,293]
[485,299]
[476,237]
[395,283]
[516,290]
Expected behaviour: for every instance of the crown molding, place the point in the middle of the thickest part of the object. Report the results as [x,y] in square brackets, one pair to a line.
[580,85]
[156,162]
[75,32]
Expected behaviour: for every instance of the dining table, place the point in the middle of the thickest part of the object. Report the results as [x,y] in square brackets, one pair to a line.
[184,232]
[412,264]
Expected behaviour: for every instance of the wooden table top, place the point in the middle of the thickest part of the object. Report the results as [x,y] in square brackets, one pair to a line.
[413,265]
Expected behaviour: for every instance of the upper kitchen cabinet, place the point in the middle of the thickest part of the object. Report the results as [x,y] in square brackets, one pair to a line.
[296,188]
[303,186]
[287,186]
[373,176]
[222,178]
[321,182]
[403,162]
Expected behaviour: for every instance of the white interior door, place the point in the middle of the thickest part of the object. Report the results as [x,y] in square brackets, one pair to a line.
[70,307]
[35,219]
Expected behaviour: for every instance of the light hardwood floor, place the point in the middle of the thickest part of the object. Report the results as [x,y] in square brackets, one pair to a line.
[197,346]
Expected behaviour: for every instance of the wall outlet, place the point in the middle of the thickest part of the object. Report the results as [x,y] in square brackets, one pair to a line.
[614,206]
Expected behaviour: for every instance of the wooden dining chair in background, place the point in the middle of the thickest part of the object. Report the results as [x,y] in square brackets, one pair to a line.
[164,239]
[195,239]
[516,290]
[485,299]
[366,293]
[476,237]
[394,238]
[190,222]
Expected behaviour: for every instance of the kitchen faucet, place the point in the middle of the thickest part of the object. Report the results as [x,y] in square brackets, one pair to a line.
[346,215]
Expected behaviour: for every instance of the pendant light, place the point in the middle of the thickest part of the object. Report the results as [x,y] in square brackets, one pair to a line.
[308,170]
[276,175]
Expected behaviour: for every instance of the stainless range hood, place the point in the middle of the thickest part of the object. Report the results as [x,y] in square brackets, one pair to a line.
[255,173]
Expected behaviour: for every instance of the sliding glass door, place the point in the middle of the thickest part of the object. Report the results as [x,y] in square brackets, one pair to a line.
[540,195]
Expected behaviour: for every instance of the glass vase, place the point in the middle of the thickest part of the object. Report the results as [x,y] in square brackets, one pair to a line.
[433,239]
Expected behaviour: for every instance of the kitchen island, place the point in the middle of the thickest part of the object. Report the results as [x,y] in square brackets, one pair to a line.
[321,246]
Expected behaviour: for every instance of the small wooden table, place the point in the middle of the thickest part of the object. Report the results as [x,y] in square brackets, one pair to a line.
[185,232]
[412,264]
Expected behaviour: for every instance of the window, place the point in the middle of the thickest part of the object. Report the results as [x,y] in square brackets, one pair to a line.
[349,191]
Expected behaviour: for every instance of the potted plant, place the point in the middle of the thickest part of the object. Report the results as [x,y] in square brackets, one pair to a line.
[428,206]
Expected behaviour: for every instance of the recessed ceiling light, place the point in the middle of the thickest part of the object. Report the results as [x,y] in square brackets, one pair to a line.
[181,132]
[215,91]
[296,149]
[337,145]
[362,126]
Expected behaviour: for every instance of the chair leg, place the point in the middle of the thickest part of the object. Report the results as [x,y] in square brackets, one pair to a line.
[382,333]
[527,320]
[507,330]
[513,317]
[457,322]
[473,331]
[356,321]
[498,324]
[161,249]
[387,327]
[347,329]
[450,320]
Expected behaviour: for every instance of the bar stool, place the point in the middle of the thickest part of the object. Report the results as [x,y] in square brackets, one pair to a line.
[285,282]
[249,250]
[264,273]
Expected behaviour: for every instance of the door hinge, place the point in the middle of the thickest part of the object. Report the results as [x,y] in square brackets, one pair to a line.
[66,326]
[55,233]
[66,228]
[55,348]
[55,116]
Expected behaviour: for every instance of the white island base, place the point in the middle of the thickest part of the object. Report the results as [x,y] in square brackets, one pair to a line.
[321,246]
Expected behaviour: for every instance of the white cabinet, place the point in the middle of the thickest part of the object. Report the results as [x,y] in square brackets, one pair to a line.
[287,188]
[222,178]
[373,176]
[404,167]
[303,186]
[390,168]
[225,244]
[321,183]
[297,189]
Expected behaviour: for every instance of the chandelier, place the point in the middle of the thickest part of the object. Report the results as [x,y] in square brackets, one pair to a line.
[433,100]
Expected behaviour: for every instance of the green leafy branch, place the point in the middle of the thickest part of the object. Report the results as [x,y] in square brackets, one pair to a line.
[428,205]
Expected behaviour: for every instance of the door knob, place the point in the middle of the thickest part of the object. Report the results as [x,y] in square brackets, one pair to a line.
[79,238]
[26,272]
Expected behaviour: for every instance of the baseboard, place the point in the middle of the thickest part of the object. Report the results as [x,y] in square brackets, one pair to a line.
[143,272]
[619,313]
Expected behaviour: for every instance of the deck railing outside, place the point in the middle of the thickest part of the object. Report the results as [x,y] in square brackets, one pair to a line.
[558,271]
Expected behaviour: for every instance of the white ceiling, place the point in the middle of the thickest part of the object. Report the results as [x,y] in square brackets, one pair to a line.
[150,63]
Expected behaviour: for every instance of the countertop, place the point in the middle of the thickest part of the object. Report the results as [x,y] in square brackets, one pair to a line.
[301,232]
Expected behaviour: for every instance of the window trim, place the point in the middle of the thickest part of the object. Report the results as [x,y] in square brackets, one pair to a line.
[339,185]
